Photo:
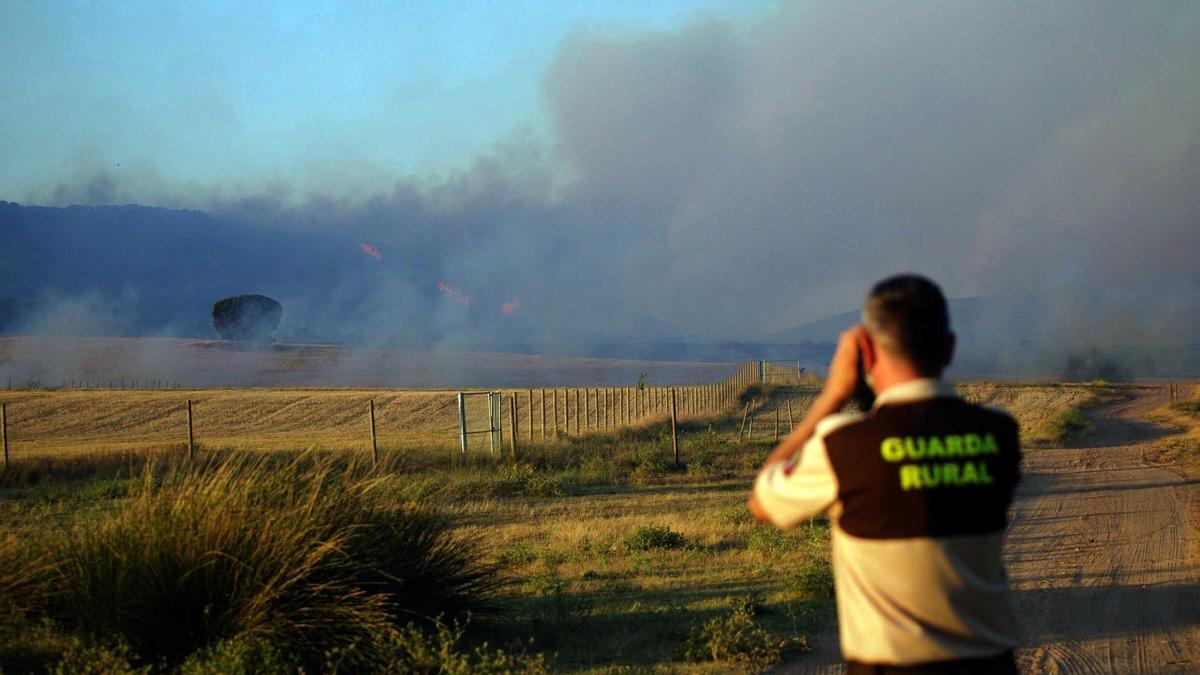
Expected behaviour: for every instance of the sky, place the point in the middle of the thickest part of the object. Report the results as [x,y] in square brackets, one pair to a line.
[214,93]
[713,170]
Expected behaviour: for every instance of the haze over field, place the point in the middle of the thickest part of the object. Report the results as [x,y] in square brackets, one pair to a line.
[712,172]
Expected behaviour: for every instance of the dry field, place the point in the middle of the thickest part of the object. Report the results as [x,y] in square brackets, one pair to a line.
[597,533]
[195,363]
[50,422]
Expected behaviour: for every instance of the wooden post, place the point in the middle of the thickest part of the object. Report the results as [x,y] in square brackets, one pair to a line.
[777,422]
[674,430]
[791,423]
[543,414]
[742,429]
[4,432]
[530,415]
[462,424]
[577,409]
[512,426]
[374,441]
[587,408]
[191,434]
[556,414]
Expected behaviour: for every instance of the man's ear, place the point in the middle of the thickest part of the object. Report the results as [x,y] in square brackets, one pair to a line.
[866,350]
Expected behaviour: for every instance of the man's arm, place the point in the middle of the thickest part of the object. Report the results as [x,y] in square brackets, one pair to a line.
[837,392]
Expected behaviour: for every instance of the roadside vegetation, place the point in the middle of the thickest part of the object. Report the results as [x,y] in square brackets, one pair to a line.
[1180,449]
[1050,415]
[592,553]
[280,561]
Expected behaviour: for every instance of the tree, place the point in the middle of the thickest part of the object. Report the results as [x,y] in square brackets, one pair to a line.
[253,318]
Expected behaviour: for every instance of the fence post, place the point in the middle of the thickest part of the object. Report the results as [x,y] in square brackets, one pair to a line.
[556,414]
[791,424]
[576,411]
[374,442]
[543,415]
[462,425]
[777,422]
[4,431]
[674,430]
[512,426]
[742,429]
[191,433]
[530,401]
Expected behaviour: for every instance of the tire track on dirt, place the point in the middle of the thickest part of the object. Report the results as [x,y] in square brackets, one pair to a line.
[1098,553]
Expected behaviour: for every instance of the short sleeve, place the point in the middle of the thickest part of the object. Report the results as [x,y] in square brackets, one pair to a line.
[791,493]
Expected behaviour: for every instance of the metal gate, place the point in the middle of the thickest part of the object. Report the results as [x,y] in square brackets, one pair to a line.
[782,372]
[474,423]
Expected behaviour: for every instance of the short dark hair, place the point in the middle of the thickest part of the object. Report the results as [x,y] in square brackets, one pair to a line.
[908,314]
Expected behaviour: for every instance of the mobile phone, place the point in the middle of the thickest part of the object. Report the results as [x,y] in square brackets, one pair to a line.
[864,396]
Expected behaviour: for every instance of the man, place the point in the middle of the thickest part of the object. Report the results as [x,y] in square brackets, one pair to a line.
[917,488]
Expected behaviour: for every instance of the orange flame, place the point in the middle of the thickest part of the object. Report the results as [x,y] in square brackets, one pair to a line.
[372,250]
[454,294]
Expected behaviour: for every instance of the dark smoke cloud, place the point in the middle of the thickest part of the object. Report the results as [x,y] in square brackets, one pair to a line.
[730,179]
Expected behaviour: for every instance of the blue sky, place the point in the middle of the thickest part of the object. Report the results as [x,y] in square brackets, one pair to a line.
[229,93]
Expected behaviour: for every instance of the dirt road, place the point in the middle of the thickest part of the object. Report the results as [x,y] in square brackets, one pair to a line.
[1098,555]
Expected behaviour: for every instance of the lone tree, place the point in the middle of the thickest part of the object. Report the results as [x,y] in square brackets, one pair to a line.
[247,317]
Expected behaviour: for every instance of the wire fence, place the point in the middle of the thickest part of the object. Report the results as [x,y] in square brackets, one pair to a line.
[42,422]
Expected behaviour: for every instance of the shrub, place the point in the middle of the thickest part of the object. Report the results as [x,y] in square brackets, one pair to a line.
[814,578]
[649,463]
[652,537]
[1068,426]
[440,651]
[239,656]
[737,636]
[87,659]
[298,554]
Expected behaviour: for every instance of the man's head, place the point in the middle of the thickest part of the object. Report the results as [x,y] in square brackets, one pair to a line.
[907,320]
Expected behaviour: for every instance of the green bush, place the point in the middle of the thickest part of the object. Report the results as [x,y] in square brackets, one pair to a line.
[1068,426]
[814,578]
[440,652]
[652,537]
[1190,407]
[88,659]
[300,554]
[239,656]
[737,636]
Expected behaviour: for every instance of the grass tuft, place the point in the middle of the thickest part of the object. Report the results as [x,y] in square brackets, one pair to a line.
[653,537]
[299,552]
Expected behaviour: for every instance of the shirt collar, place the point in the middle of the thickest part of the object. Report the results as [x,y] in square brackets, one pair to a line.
[915,390]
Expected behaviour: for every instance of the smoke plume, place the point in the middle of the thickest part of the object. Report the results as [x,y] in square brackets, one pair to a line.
[729,179]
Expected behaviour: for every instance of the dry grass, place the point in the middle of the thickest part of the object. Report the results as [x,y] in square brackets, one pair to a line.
[560,524]
[1047,413]
[1180,451]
